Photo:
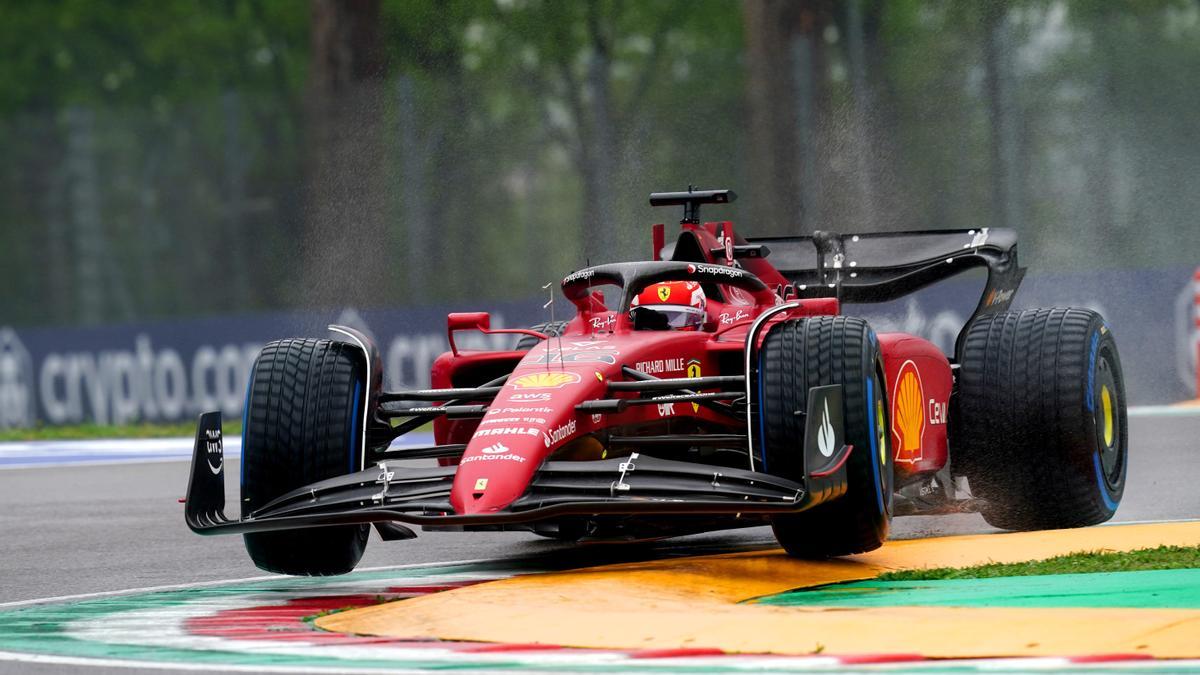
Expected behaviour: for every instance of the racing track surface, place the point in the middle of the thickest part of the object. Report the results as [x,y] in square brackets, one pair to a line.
[75,530]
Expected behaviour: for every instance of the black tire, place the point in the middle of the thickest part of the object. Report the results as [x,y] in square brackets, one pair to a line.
[1034,434]
[303,413]
[551,328]
[804,353]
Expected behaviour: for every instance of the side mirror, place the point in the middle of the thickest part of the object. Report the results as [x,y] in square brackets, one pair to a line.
[481,321]
[468,321]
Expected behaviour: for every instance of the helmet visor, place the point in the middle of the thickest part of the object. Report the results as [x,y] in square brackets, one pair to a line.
[676,316]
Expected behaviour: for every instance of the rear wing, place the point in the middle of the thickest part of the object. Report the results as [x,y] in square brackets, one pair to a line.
[865,268]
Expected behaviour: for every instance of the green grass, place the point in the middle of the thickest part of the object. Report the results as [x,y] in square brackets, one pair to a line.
[91,431]
[1161,558]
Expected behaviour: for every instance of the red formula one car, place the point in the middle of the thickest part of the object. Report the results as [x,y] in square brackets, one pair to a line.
[715,386]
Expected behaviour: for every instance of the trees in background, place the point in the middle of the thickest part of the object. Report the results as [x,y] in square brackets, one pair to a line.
[170,157]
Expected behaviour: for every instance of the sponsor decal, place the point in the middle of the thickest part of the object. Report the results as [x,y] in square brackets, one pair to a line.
[659,366]
[588,346]
[908,413]
[694,370]
[513,420]
[609,357]
[520,411]
[599,377]
[559,434]
[212,444]
[999,296]
[510,457]
[664,293]
[581,275]
[16,382]
[523,398]
[499,451]
[546,380]
[480,484]
[720,270]
[508,431]
[666,409]
[603,322]
[825,433]
[938,412]
[596,418]
[732,317]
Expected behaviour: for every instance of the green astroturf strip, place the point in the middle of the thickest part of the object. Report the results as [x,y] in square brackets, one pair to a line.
[1159,589]
[1159,558]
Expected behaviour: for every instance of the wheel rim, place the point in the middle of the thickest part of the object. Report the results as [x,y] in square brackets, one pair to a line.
[880,433]
[881,436]
[1108,420]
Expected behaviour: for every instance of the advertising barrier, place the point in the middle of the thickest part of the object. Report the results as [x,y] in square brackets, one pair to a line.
[172,371]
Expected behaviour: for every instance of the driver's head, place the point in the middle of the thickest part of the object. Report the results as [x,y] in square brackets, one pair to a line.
[677,305]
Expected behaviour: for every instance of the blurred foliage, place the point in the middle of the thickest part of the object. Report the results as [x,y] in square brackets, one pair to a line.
[156,151]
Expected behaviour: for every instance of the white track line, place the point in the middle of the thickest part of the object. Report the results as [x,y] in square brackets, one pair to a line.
[44,659]
[1164,411]
[230,582]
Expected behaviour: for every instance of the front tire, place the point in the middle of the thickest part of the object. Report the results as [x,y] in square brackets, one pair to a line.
[303,417]
[796,356]
[1041,429]
[550,328]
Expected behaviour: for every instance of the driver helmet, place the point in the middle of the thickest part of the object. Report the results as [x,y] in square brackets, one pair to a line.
[677,305]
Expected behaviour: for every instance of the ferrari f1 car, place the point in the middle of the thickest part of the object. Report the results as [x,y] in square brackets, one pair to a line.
[771,407]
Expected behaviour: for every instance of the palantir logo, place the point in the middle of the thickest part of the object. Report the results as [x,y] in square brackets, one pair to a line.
[16,382]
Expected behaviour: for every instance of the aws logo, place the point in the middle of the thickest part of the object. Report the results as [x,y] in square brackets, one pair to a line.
[908,414]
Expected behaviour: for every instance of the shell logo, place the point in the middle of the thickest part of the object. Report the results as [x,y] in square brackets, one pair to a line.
[908,414]
[545,380]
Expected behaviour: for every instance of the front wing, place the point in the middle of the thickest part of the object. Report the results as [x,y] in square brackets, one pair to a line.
[392,493]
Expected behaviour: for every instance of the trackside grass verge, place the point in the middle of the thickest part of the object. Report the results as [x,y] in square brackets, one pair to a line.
[1161,558]
[80,432]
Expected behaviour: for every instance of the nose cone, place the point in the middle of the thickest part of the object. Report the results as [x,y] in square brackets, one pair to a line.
[531,417]
[496,469]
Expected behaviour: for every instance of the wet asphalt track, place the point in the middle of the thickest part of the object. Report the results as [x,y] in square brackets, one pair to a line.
[88,529]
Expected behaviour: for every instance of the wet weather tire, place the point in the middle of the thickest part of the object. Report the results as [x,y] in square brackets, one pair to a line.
[1040,431]
[796,356]
[303,417]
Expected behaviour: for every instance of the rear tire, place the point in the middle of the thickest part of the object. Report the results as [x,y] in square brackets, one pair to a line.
[796,356]
[1041,430]
[302,425]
